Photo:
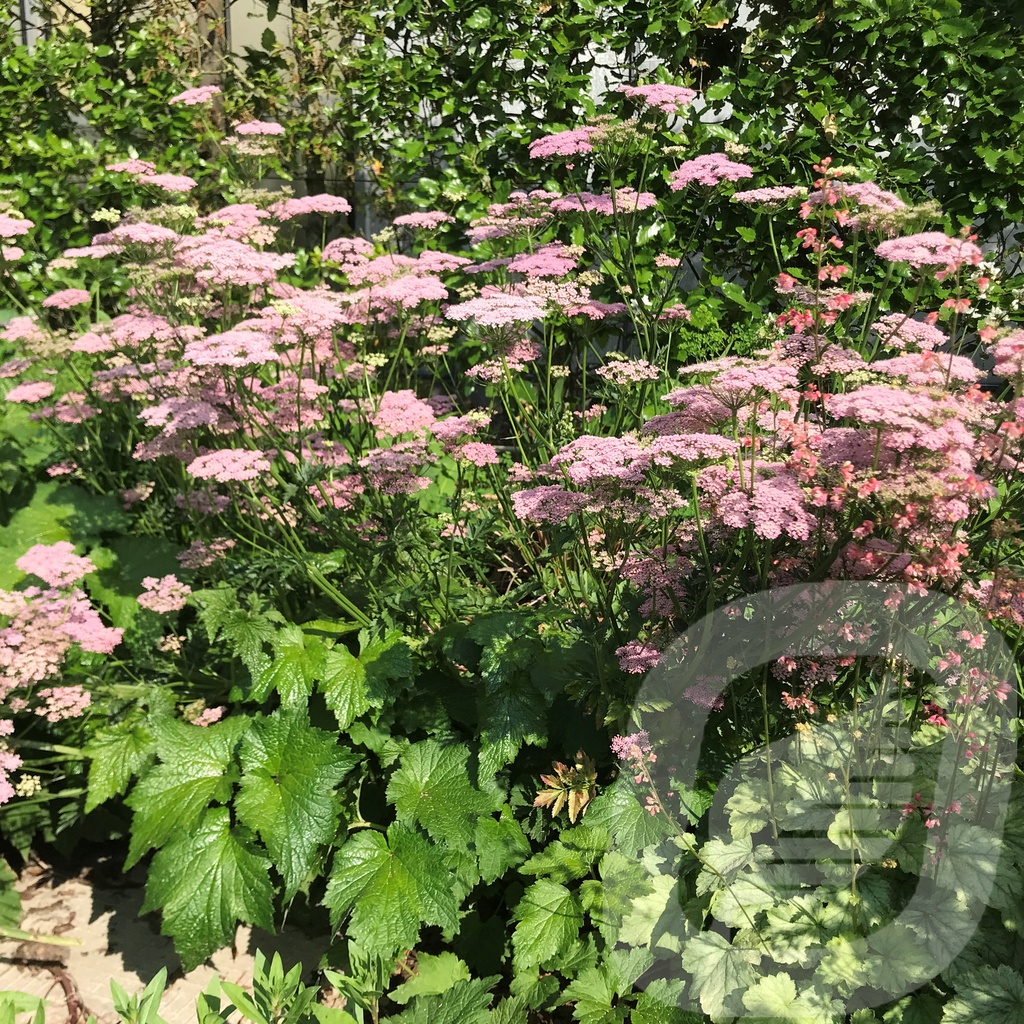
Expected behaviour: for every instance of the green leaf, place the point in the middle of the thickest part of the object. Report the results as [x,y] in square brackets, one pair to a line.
[549,920]
[171,797]
[10,899]
[626,819]
[432,788]
[595,995]
[723,861]
[500,845]
[117,753]
[206,882]
[465,1002]
[298,660]
[774,1000]
[289,772]
[434,976]
[391,884]
[570,857]
[990,995]
[738,903]
[898,960]
[719,970]
[343,685]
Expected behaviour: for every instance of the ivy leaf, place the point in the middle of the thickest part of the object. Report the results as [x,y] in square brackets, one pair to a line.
[719,970]
[990,995]
[343,685]
[500,845]
[432,788]
[434,976]
[298,660]
[391,884]
[171,797]
[117,753]
[549,920]
[290,770]
[205,882]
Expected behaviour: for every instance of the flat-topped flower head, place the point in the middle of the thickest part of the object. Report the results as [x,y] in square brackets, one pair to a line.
[196,97]
[668,98]
[67,298]
[929,249]
[228,464]
[574,142]
[11,227]
[622,200]
[428,220]
[56,564]
[498,310]
[259,128]
[710,169]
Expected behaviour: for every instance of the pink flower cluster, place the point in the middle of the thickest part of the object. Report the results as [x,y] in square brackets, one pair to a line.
[622,200]
[67,298]
[259,128]
[574,142]
[711,169]
[428,220]
[929,249]
[668,98]
[323,203]
[55,564]
[164,595]
[195,97]
[229,464]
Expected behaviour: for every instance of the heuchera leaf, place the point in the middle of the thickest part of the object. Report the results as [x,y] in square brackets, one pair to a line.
[391,884]
[720,971]
[289,772]
[206,882]
[991,995]
[194,772]
[549,920]
[432,788]
[117,753]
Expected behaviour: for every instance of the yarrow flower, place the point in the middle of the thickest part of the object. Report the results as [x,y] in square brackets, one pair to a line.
[667,98]
[57,564]
[636,657]
[929,249]
[30,391]
[322,203]
[164,595]
[259,128]
[772,195]
[10,227]
[499,310]
[570,143]
[194,97]
[710,169]
[622,200]
[228,464]
[67,298]
[426,219]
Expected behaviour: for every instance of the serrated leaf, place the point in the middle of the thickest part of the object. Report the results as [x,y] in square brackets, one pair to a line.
[899,960]
[774,1000]
[386,660]
[748,808]
[512,712]
[343,684]
[465,1002]
[720,972]
[549,920]
[10,899]
[570,856]
[500,845]
[434,976]
[246,632]
[627,821]
[608,901]
[391,884]
[194,772]
[297,661]
[213,606]
[117,753]
[659,1004]
[432,788]
[289,772]
[594,995]
[738,903]
[722,861]
[990,995]
[205,883]
[843,967]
